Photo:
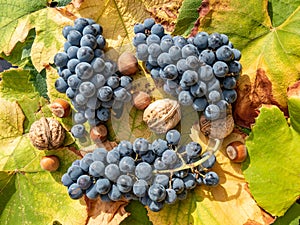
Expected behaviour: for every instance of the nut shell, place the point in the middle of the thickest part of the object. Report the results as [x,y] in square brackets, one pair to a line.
[46,133]
[98,133]
[236,151]
[60,108]
[162,115]
[141,100]
[127,64]
[49,163]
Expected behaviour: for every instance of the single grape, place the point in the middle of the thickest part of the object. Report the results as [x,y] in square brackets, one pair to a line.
[171,196]
[193,62]
[127,164]
[177,185]
[81,99]
[211,179]
[87,89]
[113,82]
[139,38]
[166,44]
[229,82]
[214,41]
[193,149]
[61,85]
[124,183]
[84,70]
[88,40]
[72,63]
[101,42]
[91,30]
[200,104]
[173,137]
[143,171]
[162,179]
[224,53]
[189,182]
[78,130]
[140,188]
[158,29]
[235,68]
[65,74]
[103,114]
[114,194]
[230,95]
[140,146]
[75,191]
[72,52]
[185,98]
[84,182]
[149,157]
[158,146]
[170,72]
[237,54]
[212,112]
[179,41]
[164,59]
[169,157]
[142,52]
[157,192]
[99,154]
[125,148]
[175,53]
[96,169]
[66,30]
[220,69]
[213,84]
[201,40]
[105,93]
[80,24]
[98,65]
[139,28]
[207,56]
[74,172]
[70,93]
[205,73]
[113,156]
[112,172]
[210,162]
[103,186]
[85,54]
[153,38]
[86,161]
[74,37]
[91,192]
[154,50]
[66,180]
[214,96]
[225,39]
[125,82]
[148,23]
[189,50]
[79,118]
[189,78]
[182,66]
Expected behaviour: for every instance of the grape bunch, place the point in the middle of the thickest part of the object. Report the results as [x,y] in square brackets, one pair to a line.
[154,173]
[88,78]
[201,71]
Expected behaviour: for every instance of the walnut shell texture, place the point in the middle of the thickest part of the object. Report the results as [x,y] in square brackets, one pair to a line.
[162,115]
[46,133]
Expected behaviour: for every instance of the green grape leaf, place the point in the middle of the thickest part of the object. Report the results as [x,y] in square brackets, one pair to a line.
[215,205]
[291,217]
[272,171]
[267,34]
[188,15]
[138,214]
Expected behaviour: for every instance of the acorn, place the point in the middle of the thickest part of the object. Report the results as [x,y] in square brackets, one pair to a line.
[236,151]
[49,163]
[60,108]
[127,64]
[98,133]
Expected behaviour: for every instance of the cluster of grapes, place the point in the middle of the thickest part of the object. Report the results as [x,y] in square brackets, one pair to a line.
[153,173]
[87,77]
[201,71]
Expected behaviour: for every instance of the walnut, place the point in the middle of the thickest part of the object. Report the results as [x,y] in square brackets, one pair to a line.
[46,133]
[162,115]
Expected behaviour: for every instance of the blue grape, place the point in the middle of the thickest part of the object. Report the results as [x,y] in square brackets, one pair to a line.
[237,54]
[235,67]
[214,96]
[140,188]
[80,24]
[80,99]
[210,162]
[199,89]
[120,94]
[114,194]
[98,53]
[96,169]
[98,80]
[220,69]
[224,53]
[214,41]
[189,50]
[125,82]
[157,192]
[78,130]
[173,137]
[91,30]
[225,39]
[156,206]
[99,154]
[159,164]
[101,42]
[72,52]
[84,182]
[229,82]
[79,118]
[230,95]
[193,149]
[192,62]
[139,28]
[98,28]
[112,172]
[72,63]
[98,65]
[179,41]
[142,52]
[124,183]
[61,85]
[125,148]
[87,89]
[177,185]
[201,40]
[66,180]
[113,156]
[74,37]
[213,84]
[86,161]
[113,82]
[91,192]
[207,56]
[138,39]
[105,93]
[70,93]
[164,59]
[143,171]
[66,30]
[127,164]
[73,82]
[85,54]
[211,179]
[182,66]
[171,196]
[152,38]
[200,104]
[148,23]
[158,29]
[103,186]
[189,182]
[158,146]
[175,53]
[149,157]
[162,179]
[140,146]
[65,74]
[185,98]
[189,78]
[154,50]
[205,73]
[212,112]
[84,70]
[103,114]
[74,172]
[67,45]
[166,44]
[89,41]
[61,59]
[170,72]
[75,191]
[169,157]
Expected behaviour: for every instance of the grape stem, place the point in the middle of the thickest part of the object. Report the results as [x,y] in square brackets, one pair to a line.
[195,164]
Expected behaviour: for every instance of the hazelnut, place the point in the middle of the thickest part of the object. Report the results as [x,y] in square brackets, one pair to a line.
[49,163]
[60,108]
[46,133]
[98,133]
[236,151]
[141,100]
[127,64]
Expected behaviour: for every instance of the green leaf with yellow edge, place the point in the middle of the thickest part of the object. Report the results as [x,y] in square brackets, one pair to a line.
[267,34]
[272,170]
[228,203]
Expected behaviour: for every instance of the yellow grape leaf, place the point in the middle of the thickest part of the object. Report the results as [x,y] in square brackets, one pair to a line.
[228,203]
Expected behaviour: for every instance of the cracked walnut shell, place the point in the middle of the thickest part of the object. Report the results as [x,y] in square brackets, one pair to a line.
[46,133]
[162,115]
